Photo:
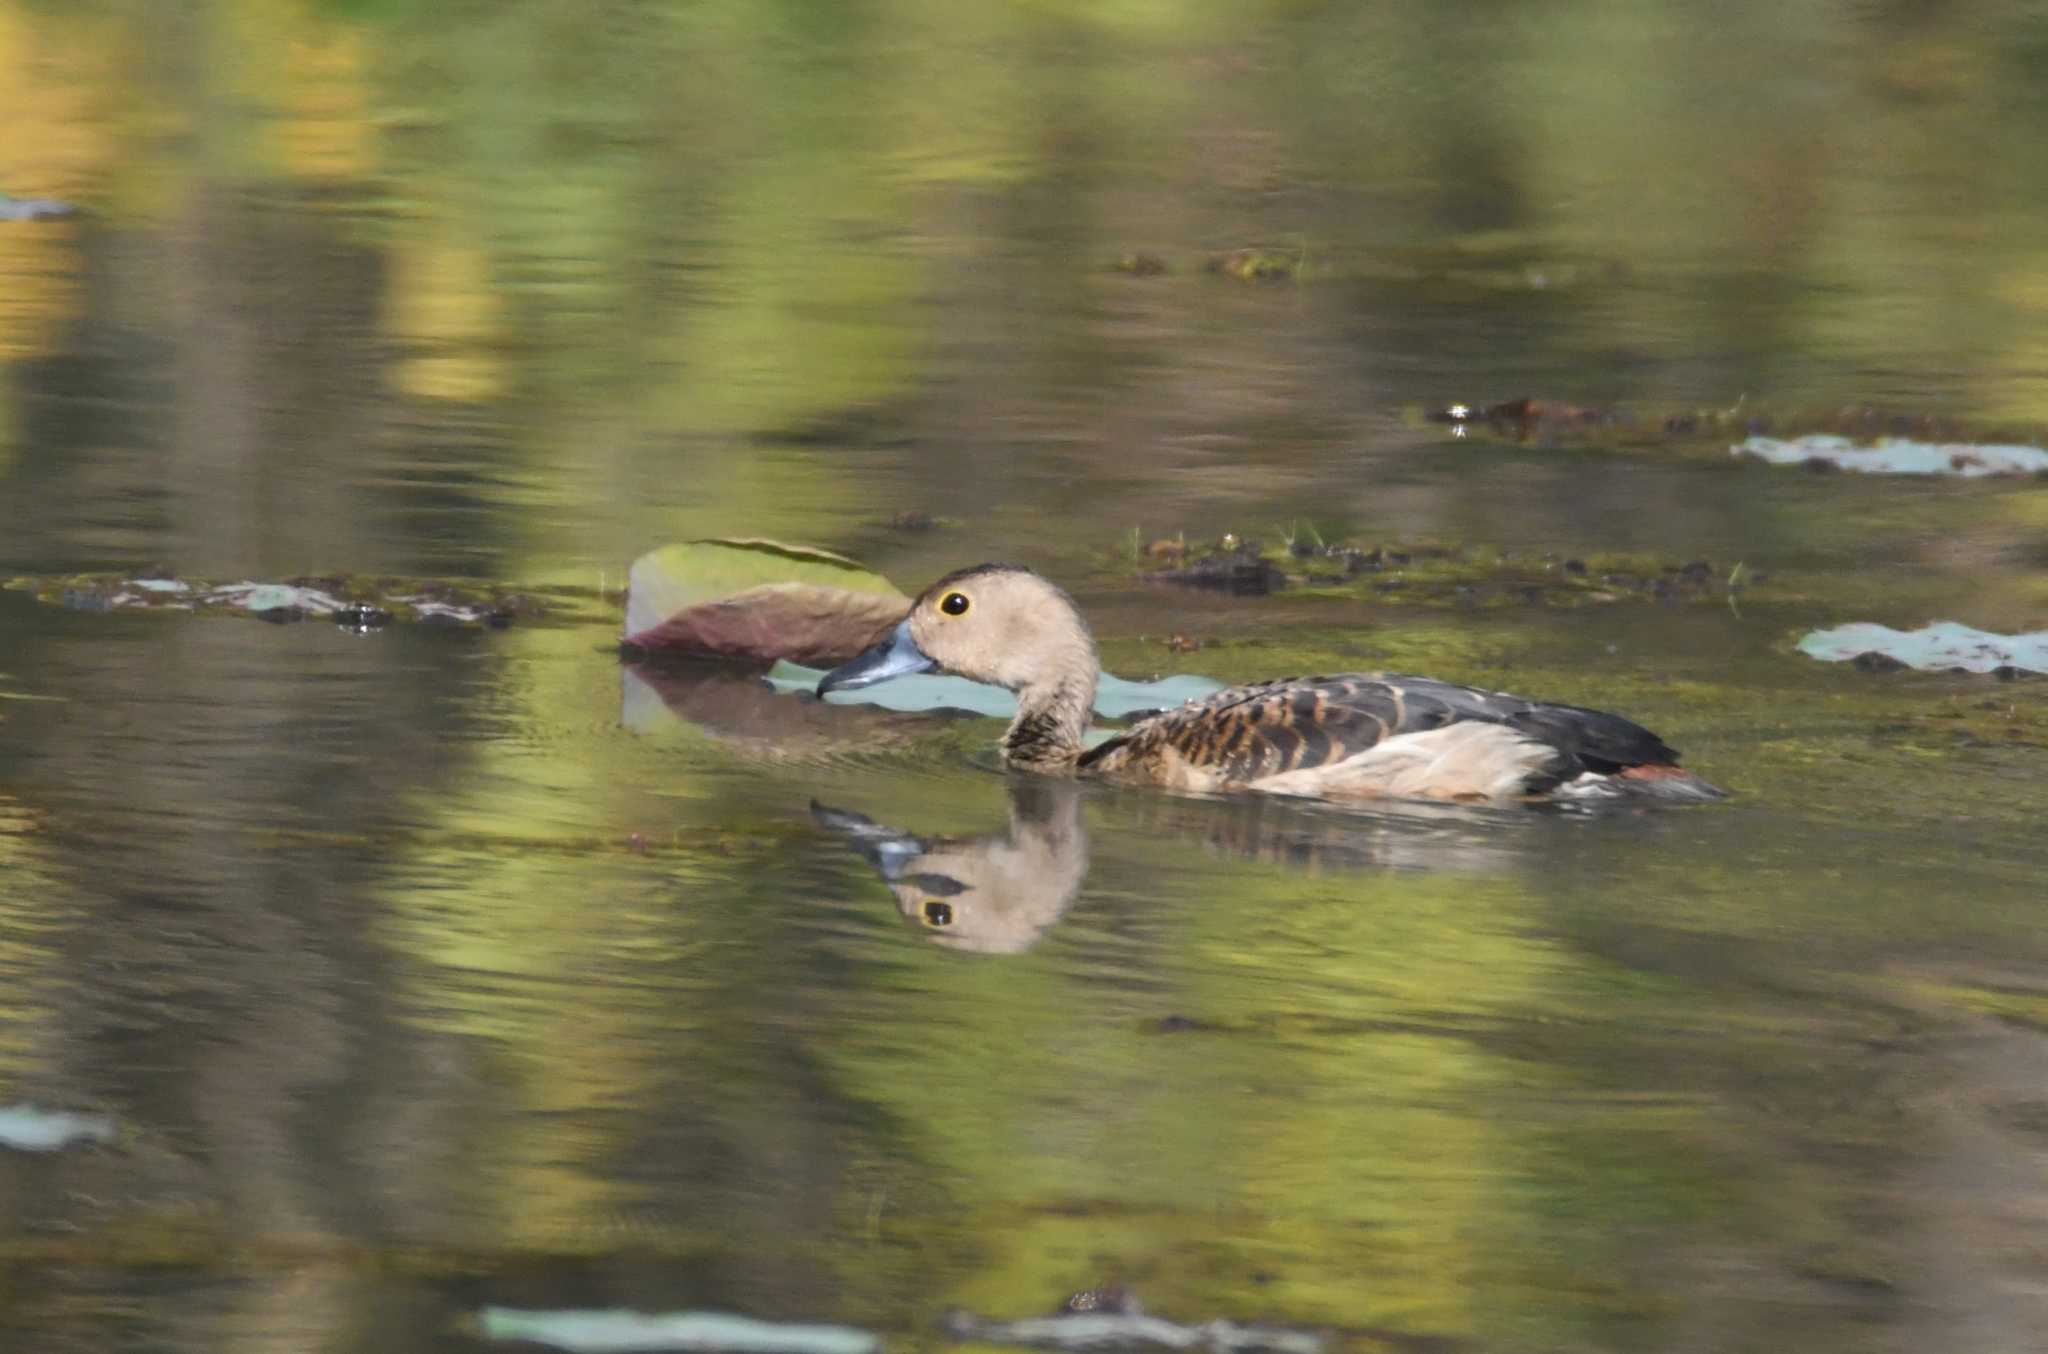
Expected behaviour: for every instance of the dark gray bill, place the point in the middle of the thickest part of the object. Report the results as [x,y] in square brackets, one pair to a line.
[896,656]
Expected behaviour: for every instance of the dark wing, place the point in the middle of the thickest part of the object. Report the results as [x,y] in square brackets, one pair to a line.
[1248,732]
[1598,741]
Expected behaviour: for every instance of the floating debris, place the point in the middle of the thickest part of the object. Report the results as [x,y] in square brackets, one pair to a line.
[359,603]
[266,597]
[28,1129]
[1260,264]
[1895,456]
[1944,646]
[1140,264]
[363,618]
[613,1332]
[1431,573]
[1235,567]
[1523,418]
[1851,437]
[1086,1330]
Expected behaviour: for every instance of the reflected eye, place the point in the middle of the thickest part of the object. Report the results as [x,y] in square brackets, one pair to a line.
[954,604]
[938,914]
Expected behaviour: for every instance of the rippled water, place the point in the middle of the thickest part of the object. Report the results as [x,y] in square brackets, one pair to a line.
[433,969]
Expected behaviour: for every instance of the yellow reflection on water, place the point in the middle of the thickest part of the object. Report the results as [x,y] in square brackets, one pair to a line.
[440,300]
[507,936]
[325,130]
[39,289]
[28,954]
[2014,387]
[51,78]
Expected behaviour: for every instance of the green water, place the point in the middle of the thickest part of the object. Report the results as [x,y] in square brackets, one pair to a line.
[435,969]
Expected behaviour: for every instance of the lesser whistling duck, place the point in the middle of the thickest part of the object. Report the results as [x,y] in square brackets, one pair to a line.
[1356,734]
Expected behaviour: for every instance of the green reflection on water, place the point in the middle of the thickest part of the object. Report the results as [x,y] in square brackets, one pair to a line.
[400,961]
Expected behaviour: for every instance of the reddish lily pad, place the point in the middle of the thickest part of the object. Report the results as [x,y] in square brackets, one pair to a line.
[757,600]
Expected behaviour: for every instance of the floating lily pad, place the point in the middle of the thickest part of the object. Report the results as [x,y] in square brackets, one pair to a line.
[1896,456]
[271,597]
[28,1129]
[1941,647]
[757,600]
[1115,698]
[613,1332]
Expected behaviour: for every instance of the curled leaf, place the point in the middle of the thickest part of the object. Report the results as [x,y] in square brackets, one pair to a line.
[757,600]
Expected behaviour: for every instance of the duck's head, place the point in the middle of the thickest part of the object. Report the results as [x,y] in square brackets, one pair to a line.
[994,894]
[995,623]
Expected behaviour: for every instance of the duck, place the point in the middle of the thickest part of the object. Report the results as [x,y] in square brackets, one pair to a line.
[996,893]
[1351,735]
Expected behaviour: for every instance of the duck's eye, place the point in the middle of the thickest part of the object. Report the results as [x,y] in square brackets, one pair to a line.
[938,914]
[954,604]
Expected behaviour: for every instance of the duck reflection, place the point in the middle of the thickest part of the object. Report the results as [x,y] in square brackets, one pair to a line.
[997,894]
[1316,836]
[989,895]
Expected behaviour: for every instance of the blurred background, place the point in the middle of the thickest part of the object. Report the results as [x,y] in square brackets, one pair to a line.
[513,289]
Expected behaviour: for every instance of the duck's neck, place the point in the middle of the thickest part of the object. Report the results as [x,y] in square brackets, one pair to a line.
[1046,734]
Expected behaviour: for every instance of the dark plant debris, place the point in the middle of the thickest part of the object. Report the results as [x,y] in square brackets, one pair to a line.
[1139,264]
[357,602]
[1533,420]
[1260,264]
[1433,574]
[1233,566]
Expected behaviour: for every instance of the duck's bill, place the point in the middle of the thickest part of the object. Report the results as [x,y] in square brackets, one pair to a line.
[896,656]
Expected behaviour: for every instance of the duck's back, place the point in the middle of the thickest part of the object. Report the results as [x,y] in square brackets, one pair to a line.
[1387,734]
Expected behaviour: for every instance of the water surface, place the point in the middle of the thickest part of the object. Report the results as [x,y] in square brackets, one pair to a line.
[415,980]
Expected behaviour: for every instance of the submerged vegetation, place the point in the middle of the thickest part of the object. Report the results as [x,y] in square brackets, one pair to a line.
[1851,438]
[354,601]
[1428,573]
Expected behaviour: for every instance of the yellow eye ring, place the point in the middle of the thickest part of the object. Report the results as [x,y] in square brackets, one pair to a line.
[954,604]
